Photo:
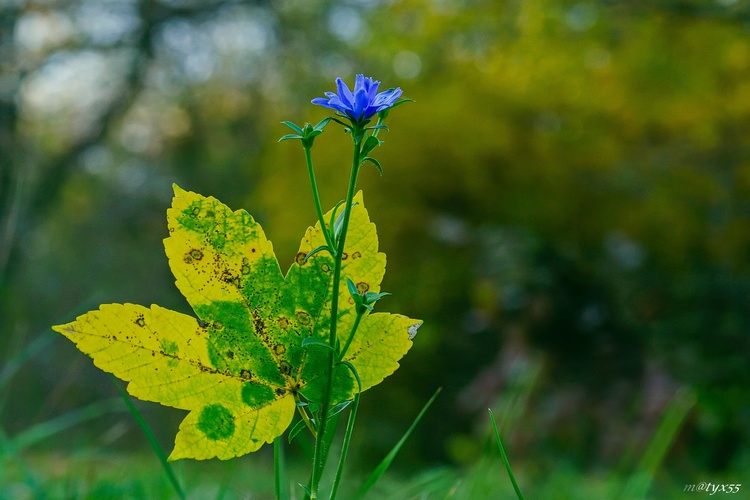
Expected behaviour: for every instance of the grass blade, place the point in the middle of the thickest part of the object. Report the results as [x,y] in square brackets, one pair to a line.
[505,457]
[639,484]
[383,466]
[151,438]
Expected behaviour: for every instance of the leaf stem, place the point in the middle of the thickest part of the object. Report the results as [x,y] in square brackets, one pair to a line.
[338,257]
[316,198]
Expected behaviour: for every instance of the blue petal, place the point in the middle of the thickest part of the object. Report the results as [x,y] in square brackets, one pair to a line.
[322,101]
[359,83]
[344,93]
[362,104]
[373,91]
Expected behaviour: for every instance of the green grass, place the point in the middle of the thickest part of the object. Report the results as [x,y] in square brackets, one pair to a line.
[99,475]
[96,474]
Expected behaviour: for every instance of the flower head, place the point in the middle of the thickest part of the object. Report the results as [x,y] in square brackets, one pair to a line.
[361,104]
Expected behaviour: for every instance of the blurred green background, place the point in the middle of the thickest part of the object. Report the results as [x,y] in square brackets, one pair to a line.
[566,205]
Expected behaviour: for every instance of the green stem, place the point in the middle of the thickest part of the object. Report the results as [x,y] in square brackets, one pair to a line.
[345,446]
[279,468]
[338,254]
[316,198]
[351,336]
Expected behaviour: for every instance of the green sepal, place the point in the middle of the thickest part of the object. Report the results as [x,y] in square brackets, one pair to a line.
[290,136]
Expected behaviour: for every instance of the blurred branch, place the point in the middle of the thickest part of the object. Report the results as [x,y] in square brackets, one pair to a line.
[8,144]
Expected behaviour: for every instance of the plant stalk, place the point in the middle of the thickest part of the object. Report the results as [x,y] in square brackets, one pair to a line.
[338,257]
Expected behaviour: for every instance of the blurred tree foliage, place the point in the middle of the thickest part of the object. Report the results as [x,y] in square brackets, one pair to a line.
[565,205]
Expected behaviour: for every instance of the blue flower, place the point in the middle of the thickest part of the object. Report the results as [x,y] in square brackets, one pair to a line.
[361,104]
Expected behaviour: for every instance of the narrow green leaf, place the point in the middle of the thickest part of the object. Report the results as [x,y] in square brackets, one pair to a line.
[312,341]
[293,126]
[322,123]
[316,250]
[374,162]
[290,136]
[505,457]
[305,489]
[296,430]
[339,408]
[383,466]
[664,435]
[370,143]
